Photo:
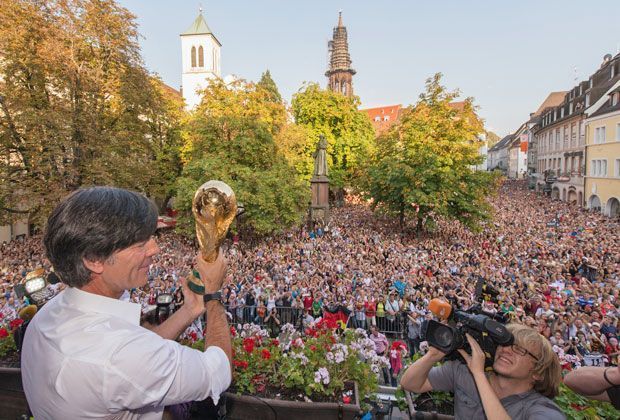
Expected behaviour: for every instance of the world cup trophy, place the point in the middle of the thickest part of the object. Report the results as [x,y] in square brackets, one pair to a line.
[214,208]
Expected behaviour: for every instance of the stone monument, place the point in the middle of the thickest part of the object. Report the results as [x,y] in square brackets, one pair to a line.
[319,207]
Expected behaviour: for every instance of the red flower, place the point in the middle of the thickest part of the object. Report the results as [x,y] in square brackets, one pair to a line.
[16,323]
[3,333]
[241,364]
[311,332]
[193,335]
[577,406]
[265,354]
[346,399]
[275,342]
[248,345]
[313,347]
[233,331]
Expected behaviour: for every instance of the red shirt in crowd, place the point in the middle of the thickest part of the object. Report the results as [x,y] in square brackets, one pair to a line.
[308,302]
[371,308]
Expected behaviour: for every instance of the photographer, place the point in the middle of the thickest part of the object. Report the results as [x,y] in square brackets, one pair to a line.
[272,322]
[525,376]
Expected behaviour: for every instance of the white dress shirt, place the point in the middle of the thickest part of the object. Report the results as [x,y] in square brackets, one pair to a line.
[85,356]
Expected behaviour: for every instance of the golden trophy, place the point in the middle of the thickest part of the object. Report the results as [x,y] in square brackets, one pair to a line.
[214,208]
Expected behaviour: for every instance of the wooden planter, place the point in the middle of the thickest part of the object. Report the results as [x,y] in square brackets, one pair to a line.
[12,398]
[241,407]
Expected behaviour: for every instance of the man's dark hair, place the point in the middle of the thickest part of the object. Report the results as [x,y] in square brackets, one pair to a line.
[93,223]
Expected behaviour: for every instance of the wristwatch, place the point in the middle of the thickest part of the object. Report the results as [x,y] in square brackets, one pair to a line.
[207,297]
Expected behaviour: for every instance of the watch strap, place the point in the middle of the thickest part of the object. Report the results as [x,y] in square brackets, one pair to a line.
[207,297]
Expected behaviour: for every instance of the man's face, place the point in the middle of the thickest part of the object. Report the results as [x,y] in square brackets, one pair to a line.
[128,267]
[511,364]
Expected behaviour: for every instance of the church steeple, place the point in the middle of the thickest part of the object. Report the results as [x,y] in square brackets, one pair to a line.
[340,73]
[200,51]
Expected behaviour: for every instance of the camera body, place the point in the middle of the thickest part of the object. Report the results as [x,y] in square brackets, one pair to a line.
[487,332]
[487,329]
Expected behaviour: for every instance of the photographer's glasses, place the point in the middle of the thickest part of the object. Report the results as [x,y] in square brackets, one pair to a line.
[522,352]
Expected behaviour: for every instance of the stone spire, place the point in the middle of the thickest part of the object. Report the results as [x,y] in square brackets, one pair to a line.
[340,73]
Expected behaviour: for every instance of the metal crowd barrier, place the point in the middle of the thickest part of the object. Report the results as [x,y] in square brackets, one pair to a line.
[395,328]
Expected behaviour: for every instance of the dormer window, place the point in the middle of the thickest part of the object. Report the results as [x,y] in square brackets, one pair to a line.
[377,118]
[614,98]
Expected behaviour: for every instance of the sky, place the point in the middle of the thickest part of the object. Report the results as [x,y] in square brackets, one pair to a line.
[507,55]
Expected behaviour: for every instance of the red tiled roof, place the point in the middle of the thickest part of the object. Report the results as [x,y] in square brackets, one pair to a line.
[554,99]
[383,117]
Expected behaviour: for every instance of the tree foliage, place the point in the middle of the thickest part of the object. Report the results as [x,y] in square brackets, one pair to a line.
[348,131]
[231,137]
[266,83]
[78,107]
[423,167]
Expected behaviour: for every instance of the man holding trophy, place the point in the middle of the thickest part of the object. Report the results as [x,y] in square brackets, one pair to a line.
[85,354]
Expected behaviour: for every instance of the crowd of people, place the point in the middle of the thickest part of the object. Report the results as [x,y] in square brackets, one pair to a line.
[555,265]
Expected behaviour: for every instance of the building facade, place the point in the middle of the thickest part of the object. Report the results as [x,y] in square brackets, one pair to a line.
[561,136]
[340,73]
[200,51]
[498,154]
[602,181]
[517,153]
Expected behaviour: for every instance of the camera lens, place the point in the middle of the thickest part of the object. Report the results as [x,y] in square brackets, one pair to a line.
[443,336]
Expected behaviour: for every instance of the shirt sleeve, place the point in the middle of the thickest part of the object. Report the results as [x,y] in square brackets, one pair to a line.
[545,413]
[150,371]
[442,378]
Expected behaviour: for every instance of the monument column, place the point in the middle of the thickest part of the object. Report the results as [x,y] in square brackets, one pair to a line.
[319,206]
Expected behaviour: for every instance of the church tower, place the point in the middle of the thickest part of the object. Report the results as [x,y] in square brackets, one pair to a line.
[201,60]
[340,73]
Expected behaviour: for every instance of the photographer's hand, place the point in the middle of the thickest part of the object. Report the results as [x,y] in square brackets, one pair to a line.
[475,362]
[493,407]
[415,378]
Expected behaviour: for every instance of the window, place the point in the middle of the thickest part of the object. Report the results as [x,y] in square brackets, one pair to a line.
[201,57]
[193,57]
[386,118]
[377,118]
[570,108]
[617,173]
[562,113]
[599,135]
[557,139]
[588,97]
[618,132]
[614,98]
[599,167]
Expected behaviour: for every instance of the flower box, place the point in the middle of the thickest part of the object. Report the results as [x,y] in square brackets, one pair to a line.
[257,408]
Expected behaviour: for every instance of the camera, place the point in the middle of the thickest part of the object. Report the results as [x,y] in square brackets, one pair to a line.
[486,328]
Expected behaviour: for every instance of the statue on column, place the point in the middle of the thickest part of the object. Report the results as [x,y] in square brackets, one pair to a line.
[320,157]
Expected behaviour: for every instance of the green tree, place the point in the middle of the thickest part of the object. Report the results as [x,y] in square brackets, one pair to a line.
[423,166]
[231,137]
[241,99]
[267,83]
[78,107]
[348,131]
[492,139]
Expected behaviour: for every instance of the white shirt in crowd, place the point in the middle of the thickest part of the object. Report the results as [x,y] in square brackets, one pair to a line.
[85,356]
